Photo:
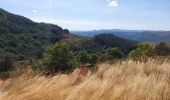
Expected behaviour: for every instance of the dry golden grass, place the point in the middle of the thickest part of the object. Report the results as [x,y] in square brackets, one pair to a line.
[126,81]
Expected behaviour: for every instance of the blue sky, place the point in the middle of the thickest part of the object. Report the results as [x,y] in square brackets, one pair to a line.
[95,14]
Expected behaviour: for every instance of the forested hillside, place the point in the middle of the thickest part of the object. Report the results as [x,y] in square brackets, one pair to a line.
[23,37]
[104,41]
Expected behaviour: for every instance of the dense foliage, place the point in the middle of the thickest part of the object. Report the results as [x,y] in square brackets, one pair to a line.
[6,64]
[57,58]
[104,41]
[114,52]
[147,50]
[60,58]
[25,38]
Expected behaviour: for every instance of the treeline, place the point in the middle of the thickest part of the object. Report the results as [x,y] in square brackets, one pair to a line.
[104,41]
[148,50]
[59,57]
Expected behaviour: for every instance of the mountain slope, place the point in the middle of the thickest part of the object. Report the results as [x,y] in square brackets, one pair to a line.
[149,36]
[22,36]
[100,43]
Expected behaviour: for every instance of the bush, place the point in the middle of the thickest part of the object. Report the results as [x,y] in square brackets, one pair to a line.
[5,75]
[114,52]
[162,49]
[135,54]
[83,57]
[93,59]
[147,49]
[144,51]
[6,62]
[58,58]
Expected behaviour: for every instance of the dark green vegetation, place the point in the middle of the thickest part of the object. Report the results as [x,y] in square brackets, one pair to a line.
[100,43]
[136,35]
[53,49]
[6,64]
[104,41]
[148,50]
[25,38]
[60,58]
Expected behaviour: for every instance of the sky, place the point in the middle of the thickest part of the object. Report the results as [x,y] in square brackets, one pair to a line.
[95,14]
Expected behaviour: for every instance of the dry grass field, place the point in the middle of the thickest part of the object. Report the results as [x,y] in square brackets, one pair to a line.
[121,81]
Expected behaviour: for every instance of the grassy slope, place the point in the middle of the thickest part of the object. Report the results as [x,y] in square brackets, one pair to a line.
[126,81]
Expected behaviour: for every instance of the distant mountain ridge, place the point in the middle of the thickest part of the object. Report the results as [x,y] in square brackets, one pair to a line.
[136,35]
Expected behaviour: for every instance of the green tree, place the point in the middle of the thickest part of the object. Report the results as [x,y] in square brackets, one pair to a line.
[58,58]
[143,51]
[93,59]
[83,57]
[147,49]
[135,54]
[162,49]
[114,52]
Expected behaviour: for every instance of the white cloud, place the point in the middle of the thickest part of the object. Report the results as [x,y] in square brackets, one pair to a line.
[113,3]
[34,11]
